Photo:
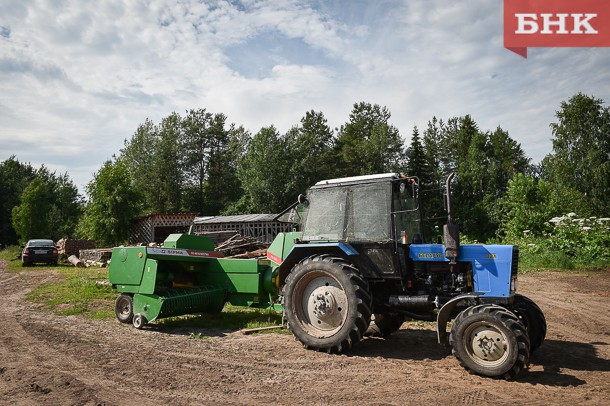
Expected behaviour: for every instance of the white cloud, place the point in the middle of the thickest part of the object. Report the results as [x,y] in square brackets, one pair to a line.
[77,78]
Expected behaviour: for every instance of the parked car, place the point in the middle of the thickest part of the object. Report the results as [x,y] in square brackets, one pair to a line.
[39,251]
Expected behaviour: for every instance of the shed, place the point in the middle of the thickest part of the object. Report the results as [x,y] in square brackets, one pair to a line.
[263,227]
[156,227]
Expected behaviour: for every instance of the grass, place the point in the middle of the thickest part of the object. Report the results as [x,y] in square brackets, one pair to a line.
[556,261]
[74,292]
[232,318]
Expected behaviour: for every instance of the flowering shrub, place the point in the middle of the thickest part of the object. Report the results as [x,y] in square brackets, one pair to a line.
[571,241]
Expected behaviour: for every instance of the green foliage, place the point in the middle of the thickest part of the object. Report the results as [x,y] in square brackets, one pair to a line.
[581,149]
[153,159]
[530,202]
[114,203]
[31,217]
[484,163]
[186,164]
[570,241]
[367,143]
[312,144]
[265,171]
[14,178]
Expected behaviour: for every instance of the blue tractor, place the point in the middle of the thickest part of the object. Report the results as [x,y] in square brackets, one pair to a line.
[360,266]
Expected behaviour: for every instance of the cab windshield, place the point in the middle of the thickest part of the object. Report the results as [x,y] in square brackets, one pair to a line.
[359,212]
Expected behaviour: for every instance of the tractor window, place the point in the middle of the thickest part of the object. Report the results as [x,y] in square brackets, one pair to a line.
[349,213]
[406,213]
[370,218]
[325,216]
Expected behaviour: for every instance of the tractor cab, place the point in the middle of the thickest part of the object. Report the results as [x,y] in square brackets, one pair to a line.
[374,208]
[369,219]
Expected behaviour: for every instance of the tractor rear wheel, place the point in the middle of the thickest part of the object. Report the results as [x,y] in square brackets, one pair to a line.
[532,317]
[491,341]
[123,308]
[327,304]
[382,325]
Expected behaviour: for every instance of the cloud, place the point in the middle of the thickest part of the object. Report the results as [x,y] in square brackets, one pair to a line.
[78,78]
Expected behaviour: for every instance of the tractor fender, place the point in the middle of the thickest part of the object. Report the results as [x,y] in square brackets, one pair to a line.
[302,251]
[445,314]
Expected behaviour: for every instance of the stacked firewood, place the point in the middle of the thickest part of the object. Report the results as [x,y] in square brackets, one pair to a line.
[239,246]
[98,255]
[70,246]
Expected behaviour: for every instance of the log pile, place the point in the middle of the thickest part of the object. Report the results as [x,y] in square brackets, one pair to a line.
[70,246]
[217,236]
[73,259]
[97,255]
[239,246]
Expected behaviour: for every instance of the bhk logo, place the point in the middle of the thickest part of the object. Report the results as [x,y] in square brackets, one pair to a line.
[555,23]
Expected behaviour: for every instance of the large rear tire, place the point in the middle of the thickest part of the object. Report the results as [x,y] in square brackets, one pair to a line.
[532,317]
[327,304]
[491,341]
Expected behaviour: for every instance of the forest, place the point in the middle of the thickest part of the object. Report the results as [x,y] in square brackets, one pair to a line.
[558,209]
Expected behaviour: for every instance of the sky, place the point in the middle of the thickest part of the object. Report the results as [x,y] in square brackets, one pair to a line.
[78,77]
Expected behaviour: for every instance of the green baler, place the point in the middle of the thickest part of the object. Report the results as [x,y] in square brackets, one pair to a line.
[187,276]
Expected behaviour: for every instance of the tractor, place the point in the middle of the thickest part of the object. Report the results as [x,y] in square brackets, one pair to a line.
[358,266]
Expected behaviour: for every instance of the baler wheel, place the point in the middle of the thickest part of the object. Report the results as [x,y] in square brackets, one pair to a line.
[382,325]
[327,304]
[123,308]
[532,317]
[139,321]
[491,341]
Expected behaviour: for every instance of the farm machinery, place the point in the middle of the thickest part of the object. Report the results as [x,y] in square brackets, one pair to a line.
[358,266]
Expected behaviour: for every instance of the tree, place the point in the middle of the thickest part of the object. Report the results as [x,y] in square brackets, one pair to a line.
[113,204]
[14,178]
[31,217]
[309,146]
[529,204]
[210,153]
[581,149]
[166,166]
[483,161]
[66,203]
[264,172]
[367,143]
[154,163]
[416,159]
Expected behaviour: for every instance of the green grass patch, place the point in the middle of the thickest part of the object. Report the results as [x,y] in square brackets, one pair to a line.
[76,292]
[232,318]
[12,256]
[541,261]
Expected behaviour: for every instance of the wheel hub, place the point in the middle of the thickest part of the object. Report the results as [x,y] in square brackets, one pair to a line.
[488,344]
[324,304]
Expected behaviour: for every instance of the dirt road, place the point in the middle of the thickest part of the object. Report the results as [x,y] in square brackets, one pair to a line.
[51,360]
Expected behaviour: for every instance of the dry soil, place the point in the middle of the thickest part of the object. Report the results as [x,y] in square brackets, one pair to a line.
[53,360]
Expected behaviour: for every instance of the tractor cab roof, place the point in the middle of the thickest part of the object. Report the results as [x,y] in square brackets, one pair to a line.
[358,179]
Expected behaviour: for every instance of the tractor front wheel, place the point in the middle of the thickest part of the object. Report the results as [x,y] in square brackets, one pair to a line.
[327,304]
[491,341]
[532,317]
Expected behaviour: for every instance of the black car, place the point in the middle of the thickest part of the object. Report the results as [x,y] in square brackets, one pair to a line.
[39,251]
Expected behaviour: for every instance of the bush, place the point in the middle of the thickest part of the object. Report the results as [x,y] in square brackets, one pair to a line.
[571,242]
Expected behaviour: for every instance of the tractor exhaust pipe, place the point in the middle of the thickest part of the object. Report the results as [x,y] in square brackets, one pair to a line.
[451,232]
